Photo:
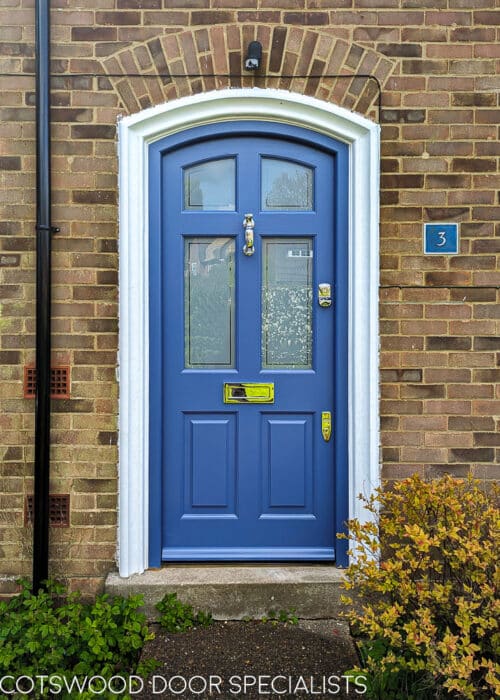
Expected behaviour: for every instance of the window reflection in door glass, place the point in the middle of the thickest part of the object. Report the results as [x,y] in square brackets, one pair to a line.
[209,302]
[286,185]
[287,303]
[210,186]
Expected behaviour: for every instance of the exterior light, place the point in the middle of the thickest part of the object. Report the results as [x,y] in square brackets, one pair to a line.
[254,55]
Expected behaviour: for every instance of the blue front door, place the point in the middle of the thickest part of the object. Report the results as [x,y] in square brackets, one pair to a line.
[244,262]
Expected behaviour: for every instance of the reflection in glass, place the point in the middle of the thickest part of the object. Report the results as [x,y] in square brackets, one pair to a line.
[287,303]
[286,185]
[210,186]
[209,302]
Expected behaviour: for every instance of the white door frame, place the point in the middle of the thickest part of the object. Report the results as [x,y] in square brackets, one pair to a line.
[136,133]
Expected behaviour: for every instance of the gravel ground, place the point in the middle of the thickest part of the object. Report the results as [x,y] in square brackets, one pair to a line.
[253,660]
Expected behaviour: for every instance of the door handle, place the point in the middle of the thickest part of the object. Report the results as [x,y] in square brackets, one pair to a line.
[326,425]
[249,224]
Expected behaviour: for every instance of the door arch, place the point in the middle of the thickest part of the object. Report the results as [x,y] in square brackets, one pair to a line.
[320,121]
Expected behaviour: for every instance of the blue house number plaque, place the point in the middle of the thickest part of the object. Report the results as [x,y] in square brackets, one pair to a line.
[441,239]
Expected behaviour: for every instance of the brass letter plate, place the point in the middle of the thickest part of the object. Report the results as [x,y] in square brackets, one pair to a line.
[248,392]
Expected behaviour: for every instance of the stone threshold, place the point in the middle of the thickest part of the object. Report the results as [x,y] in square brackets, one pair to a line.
[239,591]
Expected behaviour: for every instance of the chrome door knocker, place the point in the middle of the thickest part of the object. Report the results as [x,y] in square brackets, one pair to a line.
[249,224]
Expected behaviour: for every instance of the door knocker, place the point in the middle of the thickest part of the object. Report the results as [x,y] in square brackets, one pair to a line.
[249,224]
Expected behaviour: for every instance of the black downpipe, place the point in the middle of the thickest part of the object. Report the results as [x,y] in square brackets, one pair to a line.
[43,297]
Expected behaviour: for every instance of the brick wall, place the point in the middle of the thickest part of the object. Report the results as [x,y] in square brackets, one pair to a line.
[438,65]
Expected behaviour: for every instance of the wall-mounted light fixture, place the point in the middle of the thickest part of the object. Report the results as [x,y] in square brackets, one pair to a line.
[254,55]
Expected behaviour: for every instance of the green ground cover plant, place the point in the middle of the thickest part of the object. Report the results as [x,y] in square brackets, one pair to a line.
[176,616]
[54,633]
[285,617]
[423,590]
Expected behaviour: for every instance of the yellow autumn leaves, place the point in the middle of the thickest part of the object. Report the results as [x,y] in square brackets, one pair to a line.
[424,588]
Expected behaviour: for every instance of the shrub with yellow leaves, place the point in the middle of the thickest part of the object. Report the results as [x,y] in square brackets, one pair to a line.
[424,589]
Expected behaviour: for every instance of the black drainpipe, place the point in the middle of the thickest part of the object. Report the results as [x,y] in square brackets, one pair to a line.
[44,232]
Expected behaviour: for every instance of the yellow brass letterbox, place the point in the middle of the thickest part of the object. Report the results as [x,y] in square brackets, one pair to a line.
[248,392]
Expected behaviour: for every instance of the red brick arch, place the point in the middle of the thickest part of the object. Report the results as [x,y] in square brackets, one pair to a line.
[204,58]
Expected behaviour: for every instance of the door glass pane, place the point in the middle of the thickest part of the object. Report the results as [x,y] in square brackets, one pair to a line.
[287,303]
[209,302]
[210,186]
[286,185]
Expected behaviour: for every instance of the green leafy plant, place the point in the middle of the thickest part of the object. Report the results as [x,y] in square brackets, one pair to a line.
[287,617]
[55,633]
[180,617]
[424,590]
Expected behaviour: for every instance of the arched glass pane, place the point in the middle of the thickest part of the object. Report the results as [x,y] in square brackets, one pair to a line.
[210,186]
[286,185]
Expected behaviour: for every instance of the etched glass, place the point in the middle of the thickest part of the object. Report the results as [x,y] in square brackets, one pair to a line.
[287,303]
[209,302]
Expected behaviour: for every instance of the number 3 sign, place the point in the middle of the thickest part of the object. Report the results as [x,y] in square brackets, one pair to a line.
[441,239]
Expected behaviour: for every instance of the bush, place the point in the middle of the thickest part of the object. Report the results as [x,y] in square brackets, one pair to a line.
[54,633]
[424,590]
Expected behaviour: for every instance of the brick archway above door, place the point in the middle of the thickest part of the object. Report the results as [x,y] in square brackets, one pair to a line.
[203,58]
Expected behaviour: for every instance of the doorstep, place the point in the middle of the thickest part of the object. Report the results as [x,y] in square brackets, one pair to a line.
[235,592]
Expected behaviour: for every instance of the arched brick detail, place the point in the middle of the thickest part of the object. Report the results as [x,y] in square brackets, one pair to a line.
[208,52]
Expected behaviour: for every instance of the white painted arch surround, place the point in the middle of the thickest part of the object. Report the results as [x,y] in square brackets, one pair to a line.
[136,133]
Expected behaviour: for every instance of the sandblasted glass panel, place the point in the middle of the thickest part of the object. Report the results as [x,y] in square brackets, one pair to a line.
[286,185]
[287,303]
[209,302]
[210,186]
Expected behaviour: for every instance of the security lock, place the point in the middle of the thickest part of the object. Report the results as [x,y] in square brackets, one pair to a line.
[325,294]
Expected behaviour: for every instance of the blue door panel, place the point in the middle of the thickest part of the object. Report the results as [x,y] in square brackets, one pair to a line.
[246,481]
[287,463]
[210,474]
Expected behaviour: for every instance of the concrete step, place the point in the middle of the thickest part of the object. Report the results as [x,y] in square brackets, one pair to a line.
[234,592]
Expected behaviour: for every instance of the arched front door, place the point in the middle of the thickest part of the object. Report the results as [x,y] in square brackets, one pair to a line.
[248,343]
